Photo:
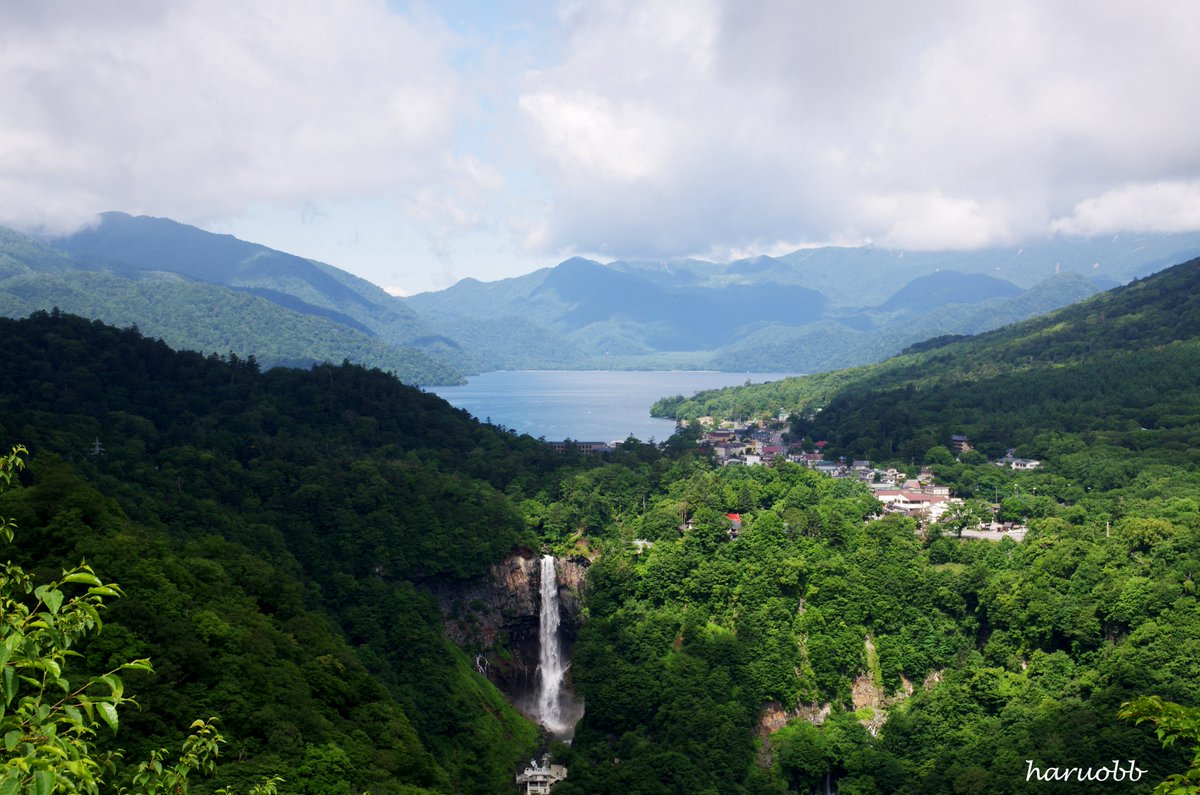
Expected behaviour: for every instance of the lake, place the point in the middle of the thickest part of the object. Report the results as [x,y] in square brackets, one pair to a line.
[585,405]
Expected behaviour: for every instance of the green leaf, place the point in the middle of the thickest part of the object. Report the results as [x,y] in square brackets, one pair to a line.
[115,685]
[51,597]
[102,590]
[84,577]
[12,738]
[50,666]
[10,786]
[9,684]
[43,782]
[109,713]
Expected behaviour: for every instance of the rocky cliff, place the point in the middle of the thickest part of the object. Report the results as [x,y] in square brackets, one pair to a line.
[494,618]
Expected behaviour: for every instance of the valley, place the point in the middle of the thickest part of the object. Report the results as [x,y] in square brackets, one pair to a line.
[352,574]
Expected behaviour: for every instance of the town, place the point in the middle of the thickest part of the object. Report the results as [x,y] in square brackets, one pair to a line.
[919,497]
[766,443]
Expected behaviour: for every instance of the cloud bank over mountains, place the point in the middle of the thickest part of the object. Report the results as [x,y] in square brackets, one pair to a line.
[621,129]
[915,125]
[197,109]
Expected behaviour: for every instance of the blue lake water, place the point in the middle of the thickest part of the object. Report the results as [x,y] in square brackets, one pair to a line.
[588,405]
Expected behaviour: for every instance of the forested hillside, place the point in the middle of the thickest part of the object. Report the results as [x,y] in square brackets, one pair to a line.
[934,665]
[270,531]
[276,533]
[215,293]
[1122,364]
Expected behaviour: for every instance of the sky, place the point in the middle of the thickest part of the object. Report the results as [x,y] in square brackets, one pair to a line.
[418,143]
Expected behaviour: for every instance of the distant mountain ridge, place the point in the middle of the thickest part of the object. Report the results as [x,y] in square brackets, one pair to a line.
[808,311]
[215,293]
[768,313]
[1123,364]
[948,287]
[131,246]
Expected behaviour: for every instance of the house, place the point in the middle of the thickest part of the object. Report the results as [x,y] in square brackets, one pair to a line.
[735,524]
[729,449]
[539,779]
[583,447]
[913,503]
[1020,464]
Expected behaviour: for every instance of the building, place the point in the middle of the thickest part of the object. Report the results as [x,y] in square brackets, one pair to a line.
[1020,464]
[959,444]
[583,447]
[926,507]
[539,779]
[717,437]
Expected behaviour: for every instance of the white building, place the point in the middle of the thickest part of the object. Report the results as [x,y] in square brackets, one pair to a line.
[539,779]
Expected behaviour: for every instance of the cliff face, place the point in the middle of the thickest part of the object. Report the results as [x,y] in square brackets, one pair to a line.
[494,617]
[571,576]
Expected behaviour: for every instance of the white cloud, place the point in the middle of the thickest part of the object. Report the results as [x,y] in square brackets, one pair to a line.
[934,221]
[198,109]
[617,128]
[619,143]
[1170,206]
[928,125]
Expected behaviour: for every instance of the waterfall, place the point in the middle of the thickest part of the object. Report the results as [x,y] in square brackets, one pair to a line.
[552,669]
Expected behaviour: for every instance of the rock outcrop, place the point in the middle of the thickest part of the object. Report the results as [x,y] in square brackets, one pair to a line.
[494,617]
[773,717]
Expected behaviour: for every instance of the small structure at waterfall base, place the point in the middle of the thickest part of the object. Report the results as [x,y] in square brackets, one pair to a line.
[541,778]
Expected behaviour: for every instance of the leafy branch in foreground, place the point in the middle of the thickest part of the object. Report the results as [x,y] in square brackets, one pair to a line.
[1173,722]
[47,722]
[200,751]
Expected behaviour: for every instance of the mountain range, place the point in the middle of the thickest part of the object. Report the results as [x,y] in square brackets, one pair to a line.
[1120,368]
[301,552]
[809,311]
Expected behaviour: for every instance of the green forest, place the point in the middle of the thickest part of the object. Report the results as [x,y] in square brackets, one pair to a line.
[275,536]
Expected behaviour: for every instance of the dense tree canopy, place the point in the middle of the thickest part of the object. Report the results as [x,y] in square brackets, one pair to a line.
[275,532]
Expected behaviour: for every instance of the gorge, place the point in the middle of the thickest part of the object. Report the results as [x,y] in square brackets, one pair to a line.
[518,622]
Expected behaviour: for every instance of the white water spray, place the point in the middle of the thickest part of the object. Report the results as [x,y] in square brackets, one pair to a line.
[552,669]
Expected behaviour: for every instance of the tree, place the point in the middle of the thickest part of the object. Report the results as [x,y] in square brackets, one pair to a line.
[1173,723]
[963,515]
[939,454]
[49,722]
